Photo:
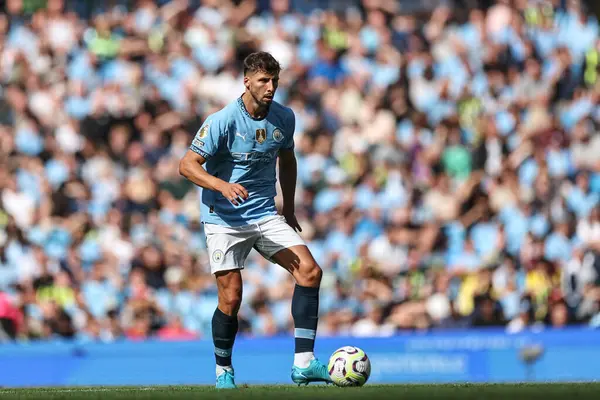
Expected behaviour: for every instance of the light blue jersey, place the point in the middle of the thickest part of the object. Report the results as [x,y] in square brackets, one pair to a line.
[241,149]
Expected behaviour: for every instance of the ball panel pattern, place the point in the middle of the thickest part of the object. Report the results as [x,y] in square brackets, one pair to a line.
[349,366]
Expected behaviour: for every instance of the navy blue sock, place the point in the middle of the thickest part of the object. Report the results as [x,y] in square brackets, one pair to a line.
[224,329]
[305,311]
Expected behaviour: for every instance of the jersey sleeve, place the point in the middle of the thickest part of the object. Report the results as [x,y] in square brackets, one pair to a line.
[288,144]
[208,139]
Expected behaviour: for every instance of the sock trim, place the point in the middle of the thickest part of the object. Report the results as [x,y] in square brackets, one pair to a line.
[223,352]
[302,333]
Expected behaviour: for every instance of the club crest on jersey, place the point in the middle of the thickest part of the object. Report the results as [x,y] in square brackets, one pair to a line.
[277,135]
[204,131]
[261,135]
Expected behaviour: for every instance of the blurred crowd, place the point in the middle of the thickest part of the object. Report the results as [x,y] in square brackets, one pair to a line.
[448,164]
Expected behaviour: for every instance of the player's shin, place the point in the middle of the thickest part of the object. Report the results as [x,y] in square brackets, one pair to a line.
[224,330]
[305,310]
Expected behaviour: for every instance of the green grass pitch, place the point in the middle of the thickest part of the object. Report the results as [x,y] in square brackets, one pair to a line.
[576,391]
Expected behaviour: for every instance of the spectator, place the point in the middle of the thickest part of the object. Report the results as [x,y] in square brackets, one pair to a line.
[174,330]
[447,173]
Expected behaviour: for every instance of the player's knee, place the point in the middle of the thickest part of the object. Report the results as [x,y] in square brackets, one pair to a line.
[230,300]
[310,275]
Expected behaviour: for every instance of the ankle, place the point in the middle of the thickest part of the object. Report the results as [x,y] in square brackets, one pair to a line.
[220,370]
[302,360]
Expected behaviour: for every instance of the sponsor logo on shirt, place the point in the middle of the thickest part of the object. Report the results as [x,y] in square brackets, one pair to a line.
[255,157]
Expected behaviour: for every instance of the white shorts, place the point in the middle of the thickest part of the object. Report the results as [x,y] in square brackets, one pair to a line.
[228,247]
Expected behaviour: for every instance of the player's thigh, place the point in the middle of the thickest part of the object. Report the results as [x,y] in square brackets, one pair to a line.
[281,244]
[228,248]
[298,260]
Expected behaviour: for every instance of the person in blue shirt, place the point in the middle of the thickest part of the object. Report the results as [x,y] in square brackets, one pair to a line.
[233,159]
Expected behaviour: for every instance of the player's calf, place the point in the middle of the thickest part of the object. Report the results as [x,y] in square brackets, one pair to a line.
[305,309]
[305,312]
[225,324]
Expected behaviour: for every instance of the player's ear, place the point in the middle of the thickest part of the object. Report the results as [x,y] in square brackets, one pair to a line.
[247,82]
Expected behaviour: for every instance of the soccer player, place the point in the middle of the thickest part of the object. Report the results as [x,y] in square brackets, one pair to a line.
[239,146]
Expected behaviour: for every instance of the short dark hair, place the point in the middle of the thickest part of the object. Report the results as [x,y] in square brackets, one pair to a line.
[261,61]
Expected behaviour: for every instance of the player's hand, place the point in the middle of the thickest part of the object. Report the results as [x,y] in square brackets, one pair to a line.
[291,220]
[234,192]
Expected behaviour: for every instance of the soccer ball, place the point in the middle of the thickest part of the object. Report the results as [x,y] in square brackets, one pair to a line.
[349,366]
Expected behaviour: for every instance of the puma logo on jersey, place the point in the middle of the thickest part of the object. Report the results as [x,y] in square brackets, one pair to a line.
[240,135]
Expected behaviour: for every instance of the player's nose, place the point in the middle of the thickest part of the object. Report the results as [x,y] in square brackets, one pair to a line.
[270,87]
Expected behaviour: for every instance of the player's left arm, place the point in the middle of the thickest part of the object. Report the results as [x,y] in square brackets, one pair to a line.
[288,174]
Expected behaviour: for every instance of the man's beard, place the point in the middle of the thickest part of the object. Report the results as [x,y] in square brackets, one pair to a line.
[263,104]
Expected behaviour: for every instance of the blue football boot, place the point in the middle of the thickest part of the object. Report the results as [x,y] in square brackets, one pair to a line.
[315,372]
[226,381]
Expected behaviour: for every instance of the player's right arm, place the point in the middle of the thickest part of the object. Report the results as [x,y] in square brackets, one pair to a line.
[206,144]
